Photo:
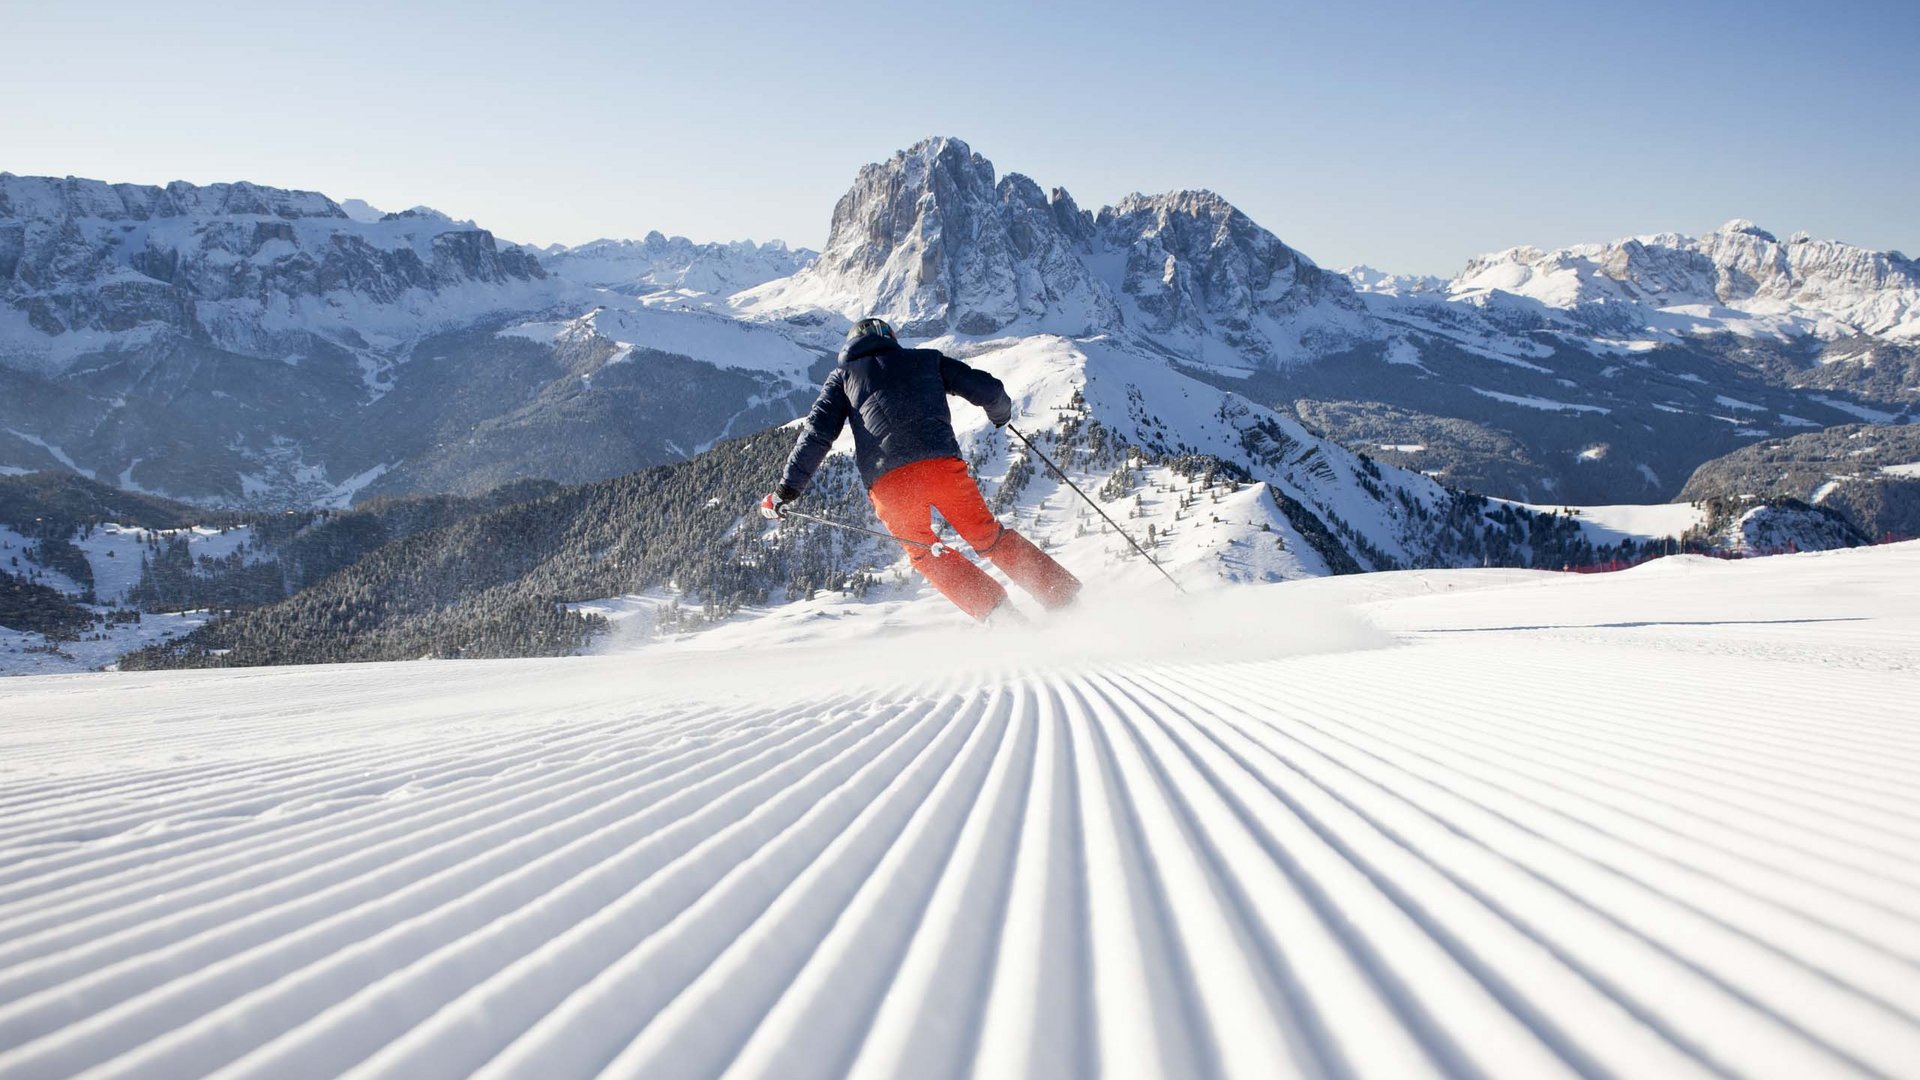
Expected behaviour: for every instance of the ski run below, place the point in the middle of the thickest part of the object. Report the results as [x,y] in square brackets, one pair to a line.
[1658,823]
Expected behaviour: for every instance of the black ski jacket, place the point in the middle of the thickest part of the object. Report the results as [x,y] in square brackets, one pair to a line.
[897,400]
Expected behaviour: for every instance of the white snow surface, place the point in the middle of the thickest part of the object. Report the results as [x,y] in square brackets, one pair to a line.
[1448,823]
[23,653]
[1871,416]
[1628,521]
[1545,404]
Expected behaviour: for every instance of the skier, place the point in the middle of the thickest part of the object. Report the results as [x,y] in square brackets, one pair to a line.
[909,458]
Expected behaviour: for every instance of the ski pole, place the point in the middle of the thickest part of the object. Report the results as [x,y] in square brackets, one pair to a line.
[935,549]
[1062,474]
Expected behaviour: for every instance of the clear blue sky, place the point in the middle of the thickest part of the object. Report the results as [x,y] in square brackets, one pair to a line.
[1405,135]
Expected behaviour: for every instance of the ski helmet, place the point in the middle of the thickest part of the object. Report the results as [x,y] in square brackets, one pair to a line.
[870,328]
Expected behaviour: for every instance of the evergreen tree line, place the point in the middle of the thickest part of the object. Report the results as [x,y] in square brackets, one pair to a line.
[497,583]
[285,552]
[1796,525]
[288,552]
[59,504]
[38,609]
[1841,468]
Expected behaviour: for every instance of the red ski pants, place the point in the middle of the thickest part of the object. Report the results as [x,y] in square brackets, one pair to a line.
[904,498]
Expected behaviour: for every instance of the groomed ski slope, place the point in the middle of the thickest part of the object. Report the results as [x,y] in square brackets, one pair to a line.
[1660,823]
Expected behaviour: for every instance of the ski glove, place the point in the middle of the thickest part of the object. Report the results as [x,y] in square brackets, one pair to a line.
[774,506]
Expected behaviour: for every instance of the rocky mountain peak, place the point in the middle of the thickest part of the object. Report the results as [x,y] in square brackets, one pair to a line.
[1187,202]
[1741,226]
[361,210]
[1197,269]
[1072,220]
[426,213]
[931,240]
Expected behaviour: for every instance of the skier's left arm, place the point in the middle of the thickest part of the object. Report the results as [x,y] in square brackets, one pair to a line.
[978,387]
[822,427]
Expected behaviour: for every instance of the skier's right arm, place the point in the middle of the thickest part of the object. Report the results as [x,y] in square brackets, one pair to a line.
[822,427]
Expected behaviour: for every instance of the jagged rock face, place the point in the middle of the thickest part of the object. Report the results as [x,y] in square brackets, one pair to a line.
[1874,292]
[1826,287]
[930,240]
[1190,253]
[890,234]
[1194,264]
[660,263]
[89,266]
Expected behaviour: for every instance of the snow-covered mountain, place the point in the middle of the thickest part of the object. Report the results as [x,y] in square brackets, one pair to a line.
[240,345]
[932,241]
[243,345]
[89,268]
[1739,278]
[1523,391]
[1174,394]
[1368,279]
[1662,350]
[361,210]
[675,265]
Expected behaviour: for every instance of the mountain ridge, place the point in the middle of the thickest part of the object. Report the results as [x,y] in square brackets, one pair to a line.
[659,263]
[931,240]
[1493,389]
[235,377]
[264,271]
[1824,288]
